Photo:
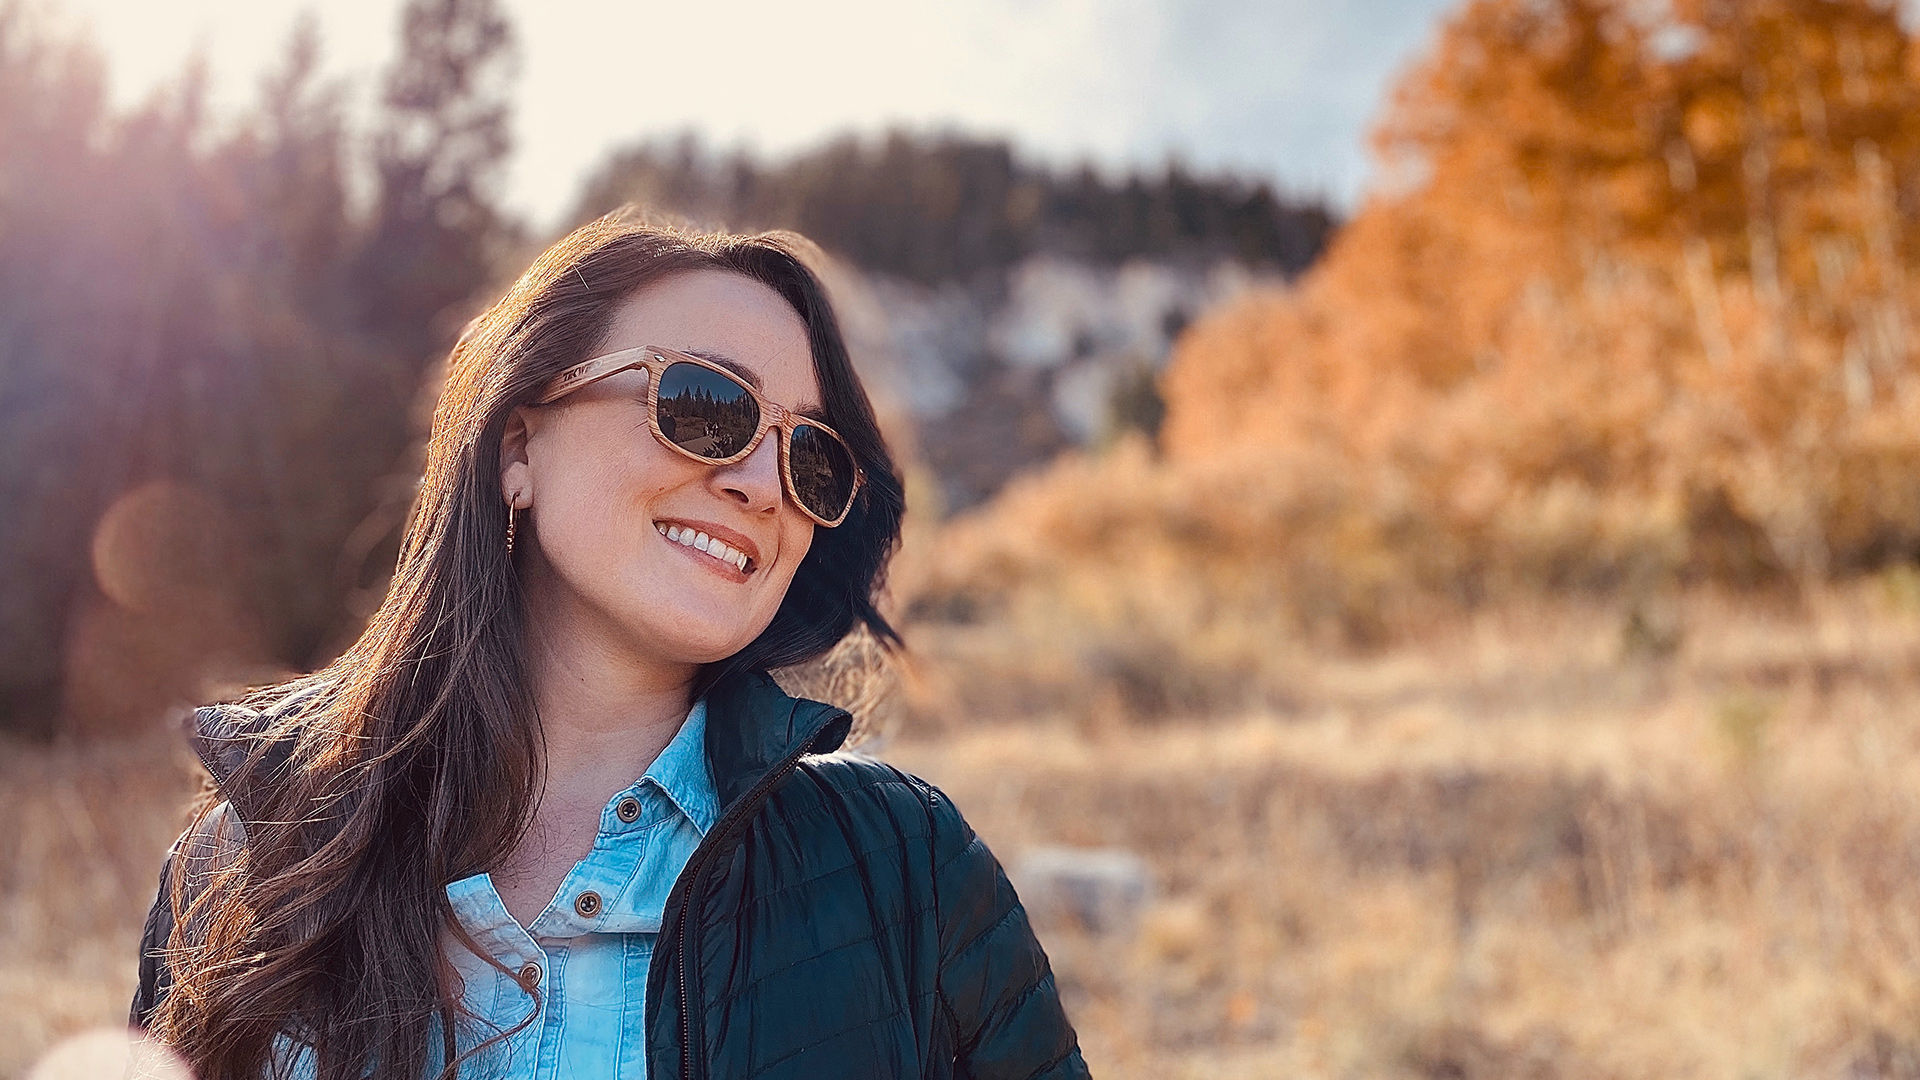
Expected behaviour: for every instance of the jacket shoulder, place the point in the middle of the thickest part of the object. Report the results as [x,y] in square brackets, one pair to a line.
[994,986]
[854,775]
[851,771]
[207,848]
[913,807]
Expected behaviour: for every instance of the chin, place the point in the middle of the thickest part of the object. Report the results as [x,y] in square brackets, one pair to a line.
[694,640]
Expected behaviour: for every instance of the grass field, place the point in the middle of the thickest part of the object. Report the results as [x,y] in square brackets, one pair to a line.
[1529,845]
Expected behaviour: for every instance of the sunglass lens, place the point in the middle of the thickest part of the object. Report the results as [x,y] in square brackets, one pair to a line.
[705,412]
[823,471]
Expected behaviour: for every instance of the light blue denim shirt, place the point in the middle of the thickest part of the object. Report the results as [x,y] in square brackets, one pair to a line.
[595,940]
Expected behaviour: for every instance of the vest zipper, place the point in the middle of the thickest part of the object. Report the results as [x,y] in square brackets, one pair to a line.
[695,871]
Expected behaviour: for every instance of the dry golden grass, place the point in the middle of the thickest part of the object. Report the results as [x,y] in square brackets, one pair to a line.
[1522,846]
[84,832]
[1508,851]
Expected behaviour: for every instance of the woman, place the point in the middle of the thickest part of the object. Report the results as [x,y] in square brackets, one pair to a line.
[549,817]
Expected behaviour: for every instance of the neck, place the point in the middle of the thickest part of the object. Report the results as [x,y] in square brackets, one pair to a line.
[605,712]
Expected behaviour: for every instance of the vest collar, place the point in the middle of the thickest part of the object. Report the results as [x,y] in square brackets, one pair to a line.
[753,725]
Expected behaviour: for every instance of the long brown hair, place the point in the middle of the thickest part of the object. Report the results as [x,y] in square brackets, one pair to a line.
[415,757]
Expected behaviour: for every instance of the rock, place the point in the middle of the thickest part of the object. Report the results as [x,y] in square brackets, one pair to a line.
[1102,889]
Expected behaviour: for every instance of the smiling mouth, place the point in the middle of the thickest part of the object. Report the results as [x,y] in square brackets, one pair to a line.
[706,545]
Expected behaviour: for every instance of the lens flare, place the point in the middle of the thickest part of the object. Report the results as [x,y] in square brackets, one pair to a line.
[110,1054]
[158,541]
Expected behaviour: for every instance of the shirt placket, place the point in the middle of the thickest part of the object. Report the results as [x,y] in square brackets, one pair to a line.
[595,907]
[482,914]
[578,910]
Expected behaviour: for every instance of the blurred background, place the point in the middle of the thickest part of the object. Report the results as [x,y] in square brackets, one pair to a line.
[1414,541]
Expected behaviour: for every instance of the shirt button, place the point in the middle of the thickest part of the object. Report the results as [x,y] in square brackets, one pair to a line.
[587,904]
[529,975]
[628,810]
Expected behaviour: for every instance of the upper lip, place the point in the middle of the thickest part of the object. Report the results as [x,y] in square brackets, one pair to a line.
[736,540]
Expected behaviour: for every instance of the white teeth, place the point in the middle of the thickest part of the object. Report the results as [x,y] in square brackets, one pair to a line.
[700,541]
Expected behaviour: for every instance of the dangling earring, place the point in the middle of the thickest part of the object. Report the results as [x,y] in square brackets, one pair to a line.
[513,514]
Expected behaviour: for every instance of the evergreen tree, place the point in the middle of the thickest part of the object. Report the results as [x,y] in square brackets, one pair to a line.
[208,359]
[439,157]
[950,208]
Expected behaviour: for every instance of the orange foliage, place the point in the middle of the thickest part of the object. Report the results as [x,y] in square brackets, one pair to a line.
[1632,304]
[1652,267]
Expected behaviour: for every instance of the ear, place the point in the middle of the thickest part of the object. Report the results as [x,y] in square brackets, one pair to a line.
[516,474]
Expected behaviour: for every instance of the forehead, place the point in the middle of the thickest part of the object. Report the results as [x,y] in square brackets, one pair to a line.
[721,315]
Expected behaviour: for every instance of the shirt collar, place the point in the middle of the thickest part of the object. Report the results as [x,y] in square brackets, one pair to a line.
[682,773]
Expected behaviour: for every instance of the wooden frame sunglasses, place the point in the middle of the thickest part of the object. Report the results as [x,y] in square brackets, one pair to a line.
[706,419]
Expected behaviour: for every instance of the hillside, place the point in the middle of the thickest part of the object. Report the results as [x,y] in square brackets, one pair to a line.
[1631,313]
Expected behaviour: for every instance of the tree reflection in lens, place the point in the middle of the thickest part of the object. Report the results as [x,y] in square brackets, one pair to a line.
[705,412]
[822,471]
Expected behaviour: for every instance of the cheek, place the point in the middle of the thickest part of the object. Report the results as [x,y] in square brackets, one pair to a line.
[593,493]
[796,539]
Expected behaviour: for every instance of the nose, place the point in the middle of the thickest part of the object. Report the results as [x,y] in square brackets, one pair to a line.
[754,480]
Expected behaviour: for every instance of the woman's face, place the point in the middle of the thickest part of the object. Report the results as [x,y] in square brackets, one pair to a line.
[601,489]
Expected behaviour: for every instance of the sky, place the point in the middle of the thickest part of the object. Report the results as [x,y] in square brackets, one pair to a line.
[1281,89]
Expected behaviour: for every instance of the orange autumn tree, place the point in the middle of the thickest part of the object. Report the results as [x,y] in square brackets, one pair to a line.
[1636,291]
[1631,303]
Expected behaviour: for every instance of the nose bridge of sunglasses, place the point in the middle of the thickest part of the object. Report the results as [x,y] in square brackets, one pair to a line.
[764,456]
